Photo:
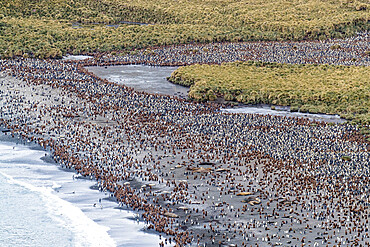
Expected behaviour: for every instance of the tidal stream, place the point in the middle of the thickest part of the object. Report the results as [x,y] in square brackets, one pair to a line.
[153,79]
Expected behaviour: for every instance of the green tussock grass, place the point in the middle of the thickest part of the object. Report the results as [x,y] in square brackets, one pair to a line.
[46,28]
[343,90]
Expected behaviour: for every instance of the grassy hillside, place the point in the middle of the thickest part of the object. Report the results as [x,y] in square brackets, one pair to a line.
[48,28]
[317,89]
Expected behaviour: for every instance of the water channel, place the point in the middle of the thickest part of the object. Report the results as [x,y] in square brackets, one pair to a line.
[152,79]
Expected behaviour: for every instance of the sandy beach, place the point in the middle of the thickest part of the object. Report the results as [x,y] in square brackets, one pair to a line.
[197,176]
[72,209]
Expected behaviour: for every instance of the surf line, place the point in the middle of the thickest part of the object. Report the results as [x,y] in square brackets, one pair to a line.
[86,231]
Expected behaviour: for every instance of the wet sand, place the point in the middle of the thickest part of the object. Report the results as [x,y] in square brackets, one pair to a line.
[34,168]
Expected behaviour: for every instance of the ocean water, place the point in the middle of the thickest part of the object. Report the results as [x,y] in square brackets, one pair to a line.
[24,219]
[43,205]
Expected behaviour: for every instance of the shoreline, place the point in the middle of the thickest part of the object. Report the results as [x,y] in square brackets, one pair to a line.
[85,201]
[22,167]
[192,160]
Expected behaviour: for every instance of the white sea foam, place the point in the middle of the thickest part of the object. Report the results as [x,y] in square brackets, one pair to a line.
[87,232]
[69,203]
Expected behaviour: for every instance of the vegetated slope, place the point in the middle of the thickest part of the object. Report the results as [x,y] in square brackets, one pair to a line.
[47,28]
[343,90]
